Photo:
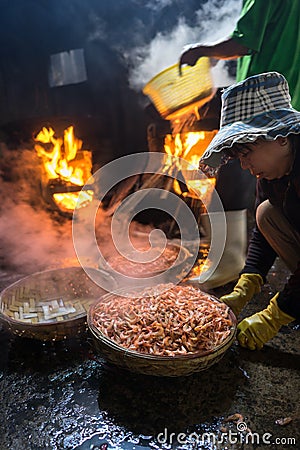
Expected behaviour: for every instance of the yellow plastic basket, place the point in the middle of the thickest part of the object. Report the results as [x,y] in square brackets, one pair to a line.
[174,95]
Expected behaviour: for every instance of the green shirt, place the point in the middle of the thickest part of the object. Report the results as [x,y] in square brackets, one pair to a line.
[271,31]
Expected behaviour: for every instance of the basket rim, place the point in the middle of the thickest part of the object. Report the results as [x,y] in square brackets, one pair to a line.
[50,323]
[101,337]
[178,262]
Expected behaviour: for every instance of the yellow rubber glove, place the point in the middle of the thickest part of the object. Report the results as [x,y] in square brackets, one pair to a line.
[256,330]
[247,286]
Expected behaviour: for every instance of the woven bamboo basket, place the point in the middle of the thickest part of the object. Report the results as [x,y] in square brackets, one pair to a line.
[49,305]
[182,262]
[163,366]
[174,95]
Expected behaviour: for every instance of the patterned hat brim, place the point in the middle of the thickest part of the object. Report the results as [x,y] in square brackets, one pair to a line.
[271,125]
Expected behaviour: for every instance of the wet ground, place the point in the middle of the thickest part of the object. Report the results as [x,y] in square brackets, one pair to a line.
[62,396]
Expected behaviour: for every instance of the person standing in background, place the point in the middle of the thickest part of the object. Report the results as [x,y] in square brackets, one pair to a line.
[266,38]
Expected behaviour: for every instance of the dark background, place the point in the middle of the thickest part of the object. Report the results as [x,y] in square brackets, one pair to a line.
[105,105]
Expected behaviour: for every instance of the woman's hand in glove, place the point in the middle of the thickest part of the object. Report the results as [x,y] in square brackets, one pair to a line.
[247,286]
[256,330]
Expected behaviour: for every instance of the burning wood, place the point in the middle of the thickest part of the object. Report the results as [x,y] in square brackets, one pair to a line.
[190,146]
[66,168]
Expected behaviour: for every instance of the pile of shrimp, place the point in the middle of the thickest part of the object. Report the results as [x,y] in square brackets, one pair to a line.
[164,259]
[167,321]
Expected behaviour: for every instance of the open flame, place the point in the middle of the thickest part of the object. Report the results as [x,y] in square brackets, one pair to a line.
[66,167]
[190,147]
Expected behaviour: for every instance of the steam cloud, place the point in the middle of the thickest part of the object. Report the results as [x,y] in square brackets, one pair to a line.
[215,21]
[30,239]
[32,236]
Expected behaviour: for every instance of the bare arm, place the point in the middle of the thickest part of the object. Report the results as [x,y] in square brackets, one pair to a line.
[227,49]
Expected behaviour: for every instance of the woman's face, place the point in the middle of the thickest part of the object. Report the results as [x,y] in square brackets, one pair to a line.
[266,159]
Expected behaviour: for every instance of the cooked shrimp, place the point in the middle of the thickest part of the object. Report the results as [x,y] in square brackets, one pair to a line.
[168,320]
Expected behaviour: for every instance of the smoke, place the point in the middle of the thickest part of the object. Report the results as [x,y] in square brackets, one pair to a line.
[31,241]
[214,21]
[31,238]
[34,237]
[158,5]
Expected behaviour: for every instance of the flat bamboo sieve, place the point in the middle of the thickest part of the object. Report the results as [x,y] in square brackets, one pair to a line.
[49,305]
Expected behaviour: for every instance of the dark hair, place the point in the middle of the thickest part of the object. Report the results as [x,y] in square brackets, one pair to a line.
[234,151]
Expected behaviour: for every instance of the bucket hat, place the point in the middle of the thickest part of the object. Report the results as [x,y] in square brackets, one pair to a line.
[259,106]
